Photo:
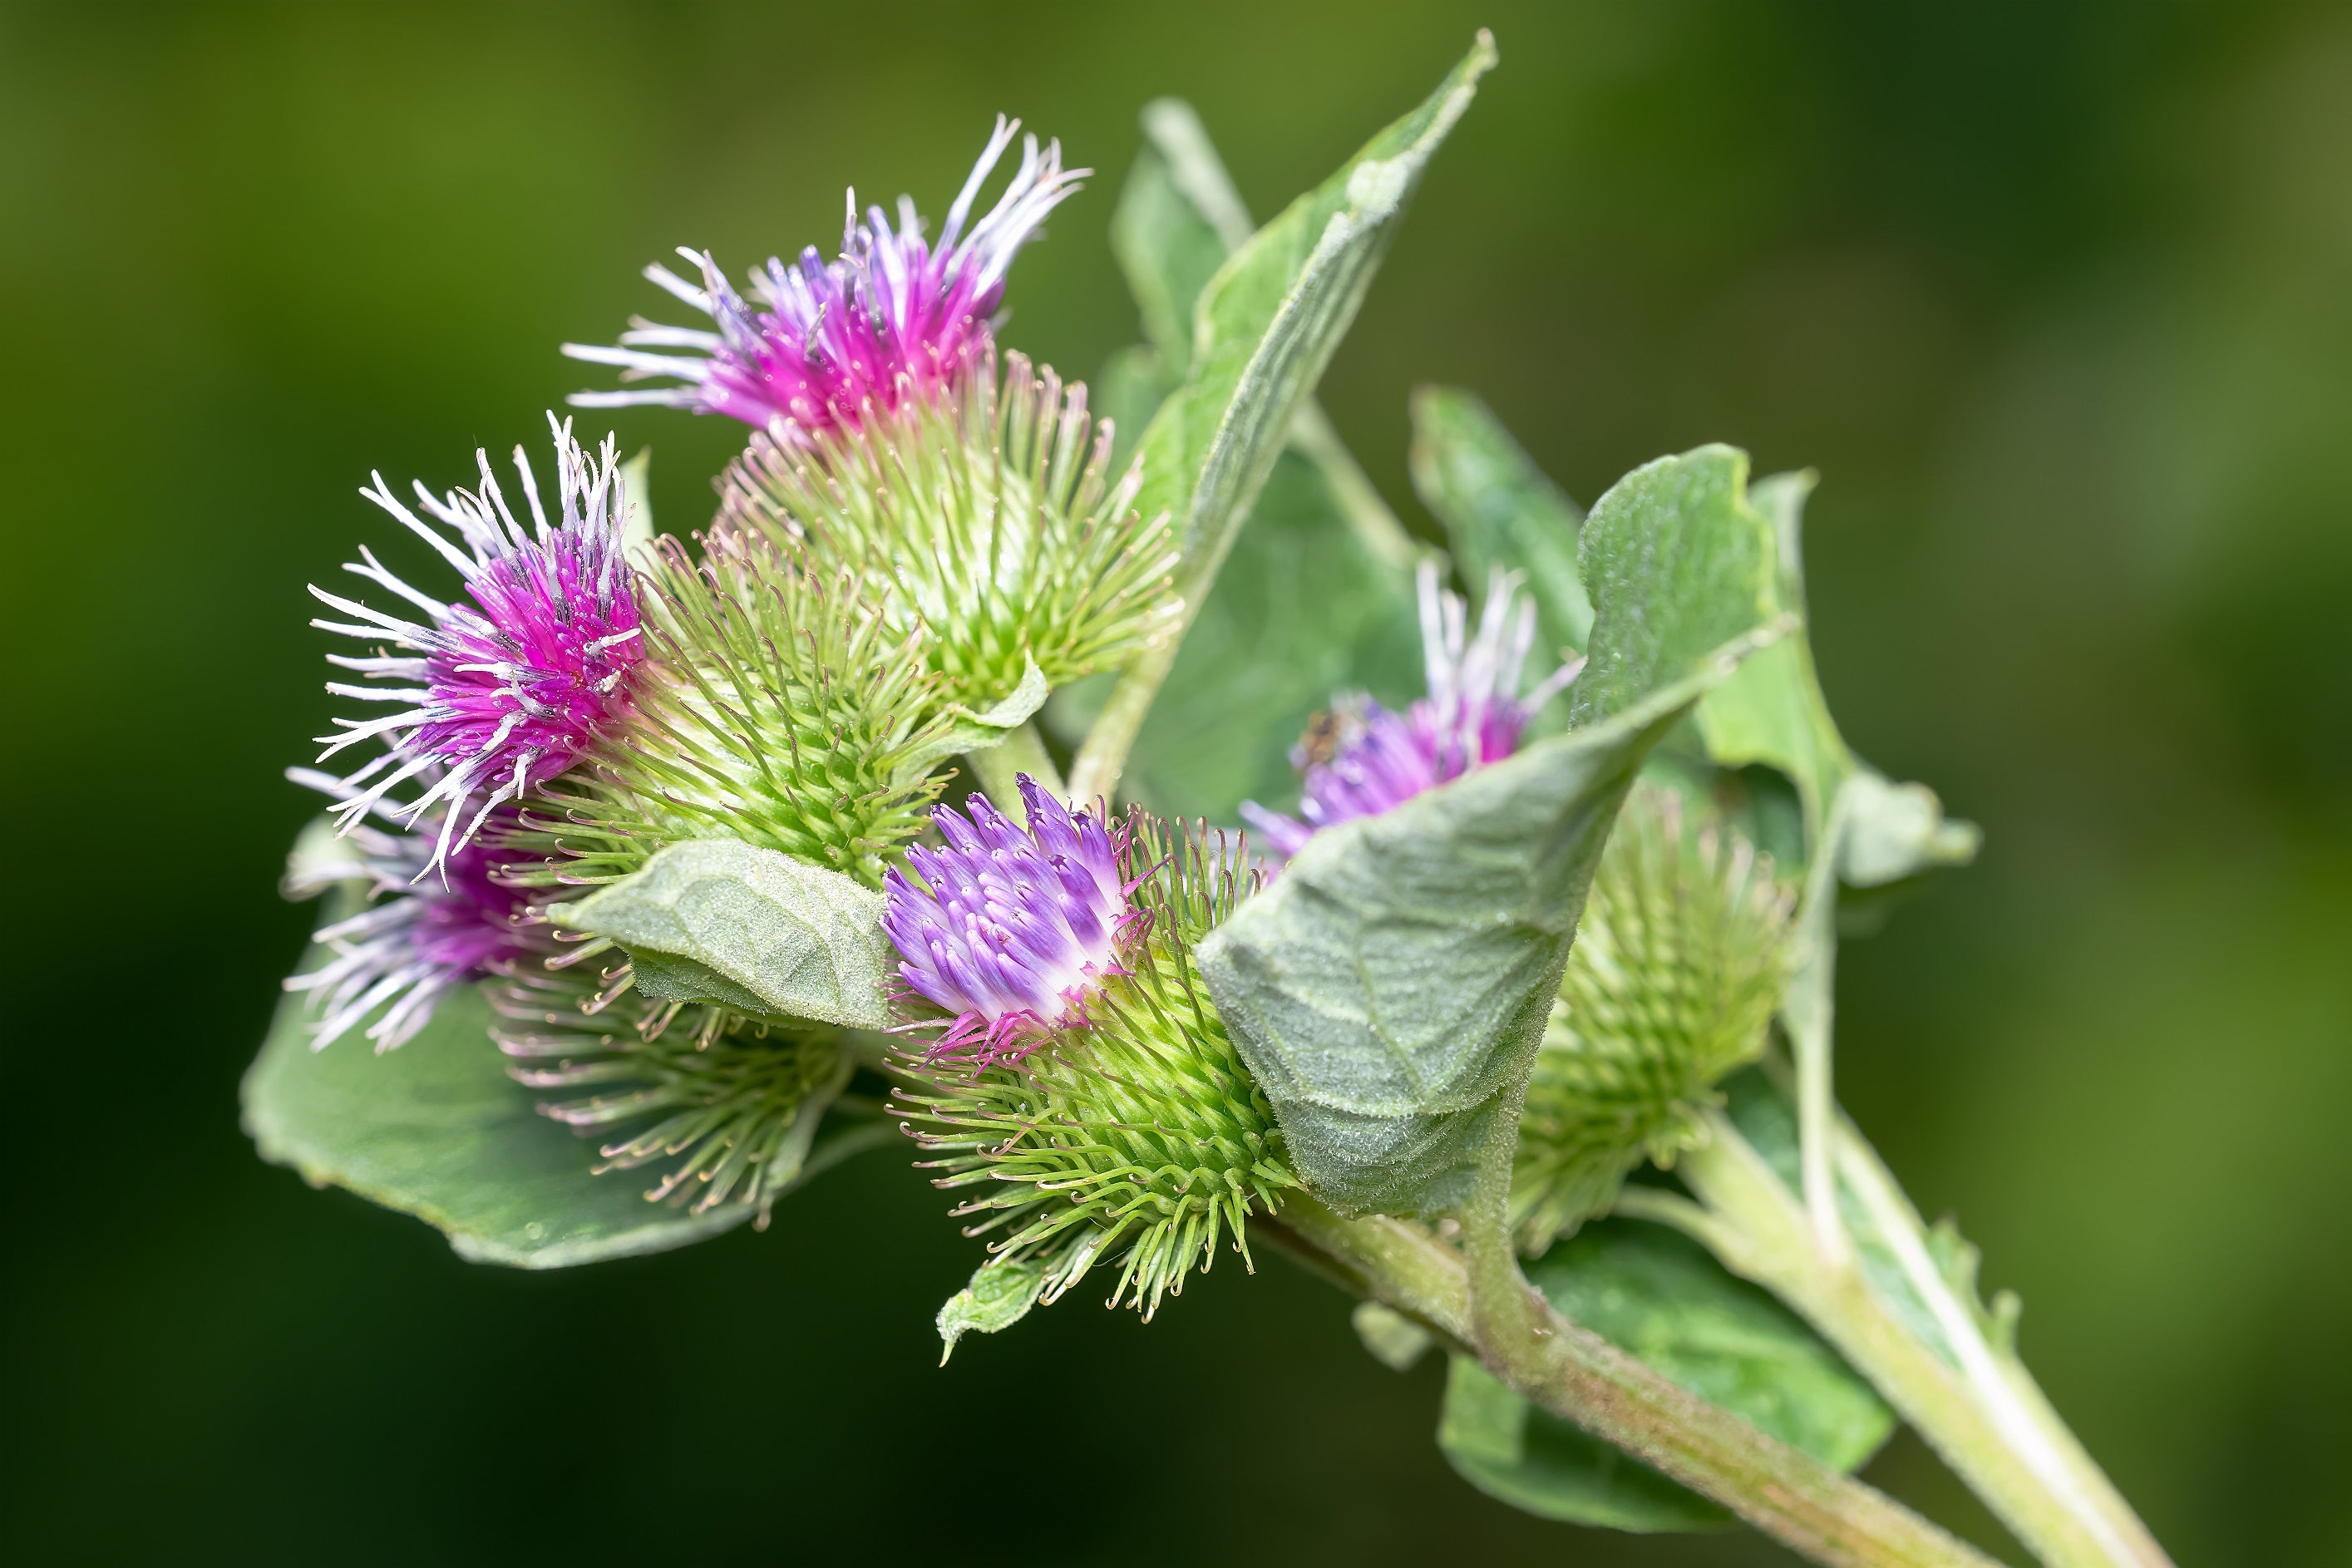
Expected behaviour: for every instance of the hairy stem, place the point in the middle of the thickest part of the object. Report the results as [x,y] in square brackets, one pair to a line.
[1984,1415]
[1577,1374]
[1021,750]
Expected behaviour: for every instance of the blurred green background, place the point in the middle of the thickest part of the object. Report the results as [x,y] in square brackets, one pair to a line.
[2055,296]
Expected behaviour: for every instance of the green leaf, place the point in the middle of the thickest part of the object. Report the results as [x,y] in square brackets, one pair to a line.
[967,732]
[1266,324]
[1394,1339]
[1898,830]
[1500,510]
[637,486]
[1178,217]
[436,1129]
[1396,977]
[999,1296]
[1302,610]
[1678,563]
[750,928]
[1662,1298]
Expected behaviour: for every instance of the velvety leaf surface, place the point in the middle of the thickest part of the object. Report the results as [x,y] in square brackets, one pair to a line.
[1500,510]
[436,1129]
[1662,1297]
[1397,976]
[716,920]
[1267,323]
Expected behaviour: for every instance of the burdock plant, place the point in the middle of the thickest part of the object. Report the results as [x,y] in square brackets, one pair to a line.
[678,869]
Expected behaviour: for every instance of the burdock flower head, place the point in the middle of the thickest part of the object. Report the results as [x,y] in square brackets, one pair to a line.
[1010,931]
[821,343]
[418,937]
[500,695]
[1367,758]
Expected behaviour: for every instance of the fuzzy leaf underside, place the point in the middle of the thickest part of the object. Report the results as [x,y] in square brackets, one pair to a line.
[1395,979]
[1663,1298]
[1500,510]
[713,920]
[436,1129]
[1000,1295]
[1267,325]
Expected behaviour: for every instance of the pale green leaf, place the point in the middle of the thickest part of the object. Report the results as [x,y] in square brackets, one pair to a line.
[1394,1339]
[968,731]
[1397,974]
[1663,1298]
[1500,510]
[1266,324]
[765,932]
[436,1129]
[999,1296]
[637,489]
[1898,830]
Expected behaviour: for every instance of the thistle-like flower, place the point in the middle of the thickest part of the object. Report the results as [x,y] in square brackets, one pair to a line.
[988,519]
[770,707]
[1678,965]
[1136,1141]
[418,937]
[1010,932]
[502,694]
[823,347]
[1364,759]
[733,1104]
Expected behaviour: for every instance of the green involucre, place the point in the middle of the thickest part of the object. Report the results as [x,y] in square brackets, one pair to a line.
[1137,1138]
[987,523]
[732,1102]
[1678,965]
[777,708]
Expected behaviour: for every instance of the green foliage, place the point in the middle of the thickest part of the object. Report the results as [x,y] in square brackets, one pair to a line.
[732,1104]
[988,529]
[438,1129]
[1267,323]
[1395,981]
[1677,968]
[1662,1298]
[1500,510]
[776,708]
[999,1296]
[1137,1139]
[720,921]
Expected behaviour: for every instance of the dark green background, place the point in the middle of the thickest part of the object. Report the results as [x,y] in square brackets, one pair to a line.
[2058,297]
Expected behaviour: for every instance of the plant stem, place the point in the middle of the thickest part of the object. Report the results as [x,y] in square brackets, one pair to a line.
[1984,1415]
[1094,771]
[1021,750]
[1577,1374]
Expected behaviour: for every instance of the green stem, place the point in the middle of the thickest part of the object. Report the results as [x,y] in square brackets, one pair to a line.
[1021,750]
[1984,1415]
[1095,771]
[1581,1377]
[1376,527]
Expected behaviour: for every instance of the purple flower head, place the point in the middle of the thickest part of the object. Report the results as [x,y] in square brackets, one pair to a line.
[822,343]
[419,937]
[502,694]
[1010,931]
[1370,760]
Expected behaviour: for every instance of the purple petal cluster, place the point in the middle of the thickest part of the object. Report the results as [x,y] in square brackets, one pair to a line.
[1377,759]
[820,345]
[497,696]
[419,937]
[1009,930]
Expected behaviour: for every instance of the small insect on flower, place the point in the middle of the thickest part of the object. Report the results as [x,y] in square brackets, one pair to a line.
[1364,759]
[1010,931]
[418,937]
[820,342]
[502,694]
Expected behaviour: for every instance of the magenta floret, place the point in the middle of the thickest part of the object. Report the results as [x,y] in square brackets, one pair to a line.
[1010,931]
[820,342]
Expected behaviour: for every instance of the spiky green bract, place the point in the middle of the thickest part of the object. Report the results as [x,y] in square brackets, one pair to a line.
[1678,965]
[731,1104]
[1137,1138]
[775,707]
[986,517]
